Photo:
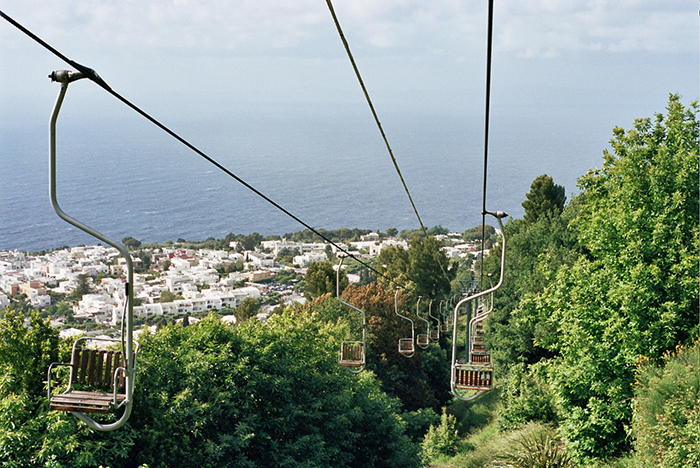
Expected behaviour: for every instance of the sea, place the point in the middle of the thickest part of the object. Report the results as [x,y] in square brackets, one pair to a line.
[125,177]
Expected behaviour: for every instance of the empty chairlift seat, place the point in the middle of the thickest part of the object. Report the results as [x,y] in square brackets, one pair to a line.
[98,375]
[473,377]
[352,354]
[406,346]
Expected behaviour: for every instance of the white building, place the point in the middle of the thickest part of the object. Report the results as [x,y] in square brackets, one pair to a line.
[196,302]
[303,260]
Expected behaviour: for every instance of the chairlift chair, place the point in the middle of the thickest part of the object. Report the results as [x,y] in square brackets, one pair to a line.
[113,370]
[435,333]
[475,376]
[352,353]
[406,345]
[422,339]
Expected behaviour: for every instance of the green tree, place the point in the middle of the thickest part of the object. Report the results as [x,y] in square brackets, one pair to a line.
[247,309]
[131,243]
[321,278]
[392,232]
[251,241]
[167,296]
[545,198]
[666,421]
[419,382]
[635,290]
[286,255]
[441,440]
[259,395]
[474,233]
[423,269]
[82,288]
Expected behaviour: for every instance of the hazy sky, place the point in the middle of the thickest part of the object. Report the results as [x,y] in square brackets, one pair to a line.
[183,57]
[565,73]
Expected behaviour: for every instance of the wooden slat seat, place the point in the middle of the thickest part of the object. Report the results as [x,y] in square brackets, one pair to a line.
[434,335]
[406,346]
[352,354]
[474,378]
[93,369]
[481,358]
[422,340]
[85,402]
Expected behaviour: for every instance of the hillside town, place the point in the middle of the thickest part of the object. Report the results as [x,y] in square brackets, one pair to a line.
[179,281]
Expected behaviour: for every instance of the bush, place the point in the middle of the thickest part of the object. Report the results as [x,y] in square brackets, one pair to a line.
[526,398]
[533,447]
[666,419]
[441,440]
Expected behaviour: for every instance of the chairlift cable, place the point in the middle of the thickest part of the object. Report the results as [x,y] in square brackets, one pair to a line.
[93,76]
[379,125]
[374,113]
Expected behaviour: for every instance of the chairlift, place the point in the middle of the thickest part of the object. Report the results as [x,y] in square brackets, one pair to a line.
[406,345]
[475,376]
[352,353]
[422,339]
[434,333]
[93,370]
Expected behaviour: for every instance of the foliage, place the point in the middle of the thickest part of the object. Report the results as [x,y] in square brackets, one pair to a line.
[287,276]
[475,234]
[247,309]
[30,435]
[423,269]
[23,350]
[535,447]
[321,279]
[419,382]
[167,296]
[267,394]
[534,253]
[545,198]
[82,288]
[526,397]
[131,243]
[441,440]
[286,255]
[635,290]
[336,235]
[666,420]
[410,234]
[418,422]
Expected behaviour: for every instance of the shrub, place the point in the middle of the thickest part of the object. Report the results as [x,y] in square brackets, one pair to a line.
[534,446]
[441,440]
[526,397]
[666,419]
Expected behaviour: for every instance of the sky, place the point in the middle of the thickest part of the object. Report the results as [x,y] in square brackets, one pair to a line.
[205,56]
[573,68]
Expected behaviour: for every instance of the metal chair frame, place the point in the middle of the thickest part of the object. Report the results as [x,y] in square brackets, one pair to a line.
[129,369]
[348,356]
[435,334]
[406,345]
[422,339]
[455,366]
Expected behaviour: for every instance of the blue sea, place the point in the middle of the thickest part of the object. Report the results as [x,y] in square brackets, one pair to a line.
[124,177]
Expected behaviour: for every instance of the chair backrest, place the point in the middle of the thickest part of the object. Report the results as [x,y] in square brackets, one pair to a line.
[96,367]
[352,352]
